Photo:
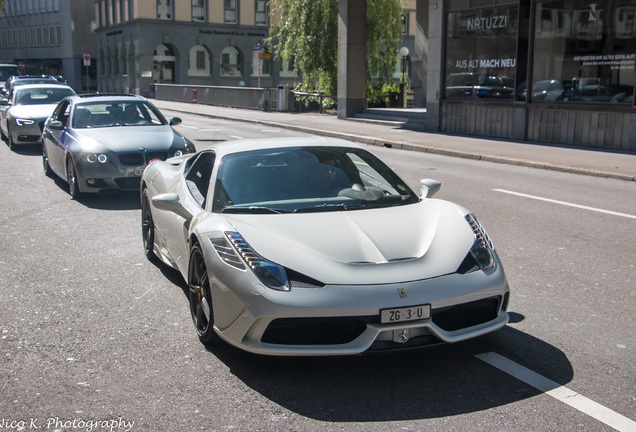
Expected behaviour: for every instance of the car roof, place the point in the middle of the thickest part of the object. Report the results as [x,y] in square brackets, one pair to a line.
[47,85]
[106,98]
[239,146]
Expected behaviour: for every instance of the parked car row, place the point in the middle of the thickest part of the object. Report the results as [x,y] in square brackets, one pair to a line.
[94,142]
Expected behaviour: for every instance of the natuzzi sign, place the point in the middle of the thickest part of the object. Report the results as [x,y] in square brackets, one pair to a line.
[485,22]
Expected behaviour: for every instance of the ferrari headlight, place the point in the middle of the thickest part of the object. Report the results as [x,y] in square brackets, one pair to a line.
[271,274]
[482,249]
[95,158]
[24,122]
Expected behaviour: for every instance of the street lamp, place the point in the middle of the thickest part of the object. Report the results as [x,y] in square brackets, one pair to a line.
[404,52]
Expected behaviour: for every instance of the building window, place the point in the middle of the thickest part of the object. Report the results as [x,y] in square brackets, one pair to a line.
[164,9]
[230,62]
[583,52]
[405,23]
[261,12]
[199,61]
[481,53]
[199,10]
[230,12]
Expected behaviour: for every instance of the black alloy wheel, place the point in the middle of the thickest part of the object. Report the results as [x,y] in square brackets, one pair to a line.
[45,163]
[71,178]
[147,227]
[201,298]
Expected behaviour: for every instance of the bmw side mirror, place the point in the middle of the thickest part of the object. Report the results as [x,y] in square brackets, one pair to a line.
[175,121]
[170,202]
[429,187]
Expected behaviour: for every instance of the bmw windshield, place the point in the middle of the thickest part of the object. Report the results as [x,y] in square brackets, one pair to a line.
[306,179]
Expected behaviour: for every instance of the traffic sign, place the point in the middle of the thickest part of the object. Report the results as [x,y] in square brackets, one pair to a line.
[21,65]
[87,59]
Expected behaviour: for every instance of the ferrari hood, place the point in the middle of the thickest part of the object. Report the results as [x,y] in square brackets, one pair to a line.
[35,112]
[126,138]
[374,246]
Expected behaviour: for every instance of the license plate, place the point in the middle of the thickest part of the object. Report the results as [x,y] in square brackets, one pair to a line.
[411,313]
[139,171]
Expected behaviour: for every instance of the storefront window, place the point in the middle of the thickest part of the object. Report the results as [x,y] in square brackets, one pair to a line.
[481,53]
[584,52]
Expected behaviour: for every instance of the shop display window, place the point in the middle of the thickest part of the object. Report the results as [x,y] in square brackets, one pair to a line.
[583,52]
[481,48]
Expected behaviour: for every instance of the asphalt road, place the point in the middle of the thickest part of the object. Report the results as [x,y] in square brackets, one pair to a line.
[95,337]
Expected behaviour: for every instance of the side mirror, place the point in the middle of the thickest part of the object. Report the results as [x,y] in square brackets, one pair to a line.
[55,125]
[175,121]
[170,202]
[429,187]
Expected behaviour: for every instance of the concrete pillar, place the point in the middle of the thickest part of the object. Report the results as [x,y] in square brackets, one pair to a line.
[351,57]
[434,75]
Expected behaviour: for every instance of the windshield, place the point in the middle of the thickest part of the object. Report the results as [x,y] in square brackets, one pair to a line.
[306,179]
[41,95]
[116,113]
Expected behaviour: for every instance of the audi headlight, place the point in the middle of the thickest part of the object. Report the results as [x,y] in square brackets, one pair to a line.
[94,158]
[482,250]
[24,122]
[270,274]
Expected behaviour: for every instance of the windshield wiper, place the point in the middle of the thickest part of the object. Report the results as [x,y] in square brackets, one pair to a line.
[327,207]
[252,210]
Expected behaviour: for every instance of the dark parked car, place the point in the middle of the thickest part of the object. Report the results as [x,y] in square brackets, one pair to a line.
[99,142]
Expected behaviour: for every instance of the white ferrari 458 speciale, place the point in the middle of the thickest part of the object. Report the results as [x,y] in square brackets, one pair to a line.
[313,246]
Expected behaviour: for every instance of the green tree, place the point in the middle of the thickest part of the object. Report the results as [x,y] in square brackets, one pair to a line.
[307,32]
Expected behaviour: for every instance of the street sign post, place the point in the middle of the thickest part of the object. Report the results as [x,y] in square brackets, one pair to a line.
[87,62]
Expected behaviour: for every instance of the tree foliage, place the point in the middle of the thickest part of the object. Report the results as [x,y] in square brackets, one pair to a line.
[307,32]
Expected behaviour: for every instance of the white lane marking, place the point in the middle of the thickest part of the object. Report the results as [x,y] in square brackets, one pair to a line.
[559,392]
[236,137]
[189,127]
[566,203]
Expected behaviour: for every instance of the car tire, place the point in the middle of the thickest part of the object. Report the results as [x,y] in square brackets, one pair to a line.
[201,298]
[71,178]
[147,227]
[45,163]
[12,145]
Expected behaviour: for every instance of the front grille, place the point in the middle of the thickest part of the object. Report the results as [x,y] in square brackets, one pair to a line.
[156,155]
[139,159]
[29,138]
[466,315]
[132,159]
[130,183]
[315,331]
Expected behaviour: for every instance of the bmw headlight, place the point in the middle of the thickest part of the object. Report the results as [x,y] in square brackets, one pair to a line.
[24,122]
[482,250]
[94,158]
[270,274]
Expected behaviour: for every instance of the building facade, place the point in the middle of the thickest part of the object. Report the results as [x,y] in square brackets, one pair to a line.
[201,42]
[50,37]
[555,71]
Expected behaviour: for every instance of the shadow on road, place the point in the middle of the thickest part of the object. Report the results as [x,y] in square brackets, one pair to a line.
[437,382]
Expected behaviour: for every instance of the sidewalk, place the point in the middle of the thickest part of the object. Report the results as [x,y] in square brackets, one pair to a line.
[566,159]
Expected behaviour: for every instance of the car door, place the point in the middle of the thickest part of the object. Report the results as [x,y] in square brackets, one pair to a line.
[193,192]
[56,140]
